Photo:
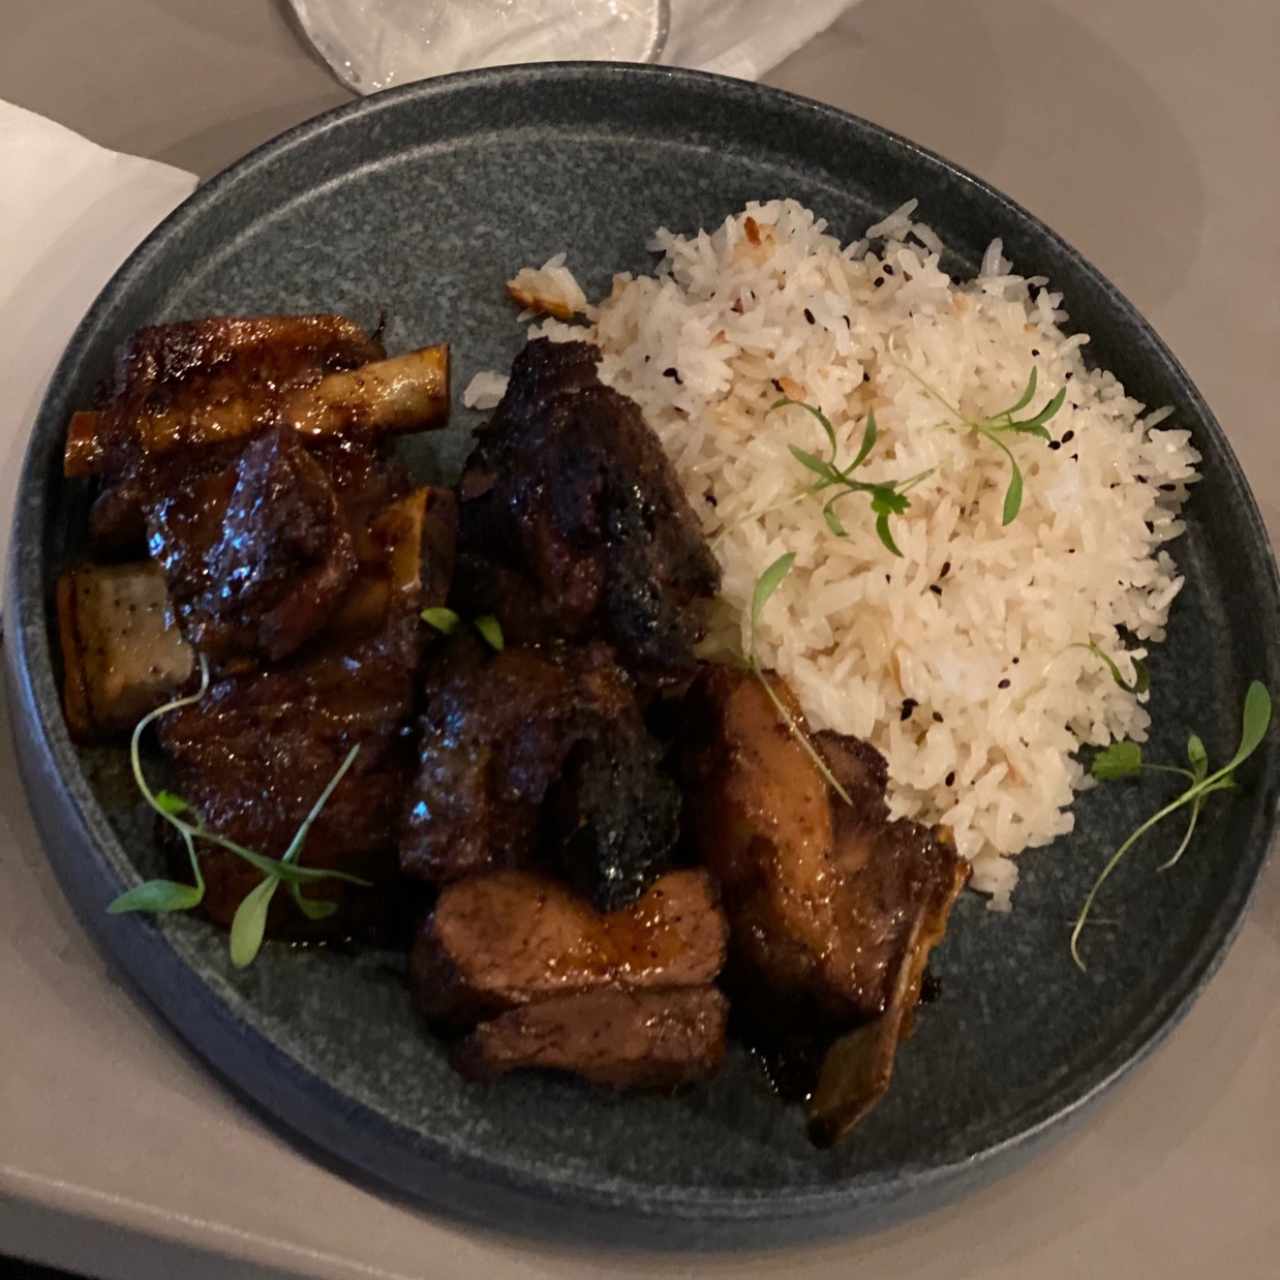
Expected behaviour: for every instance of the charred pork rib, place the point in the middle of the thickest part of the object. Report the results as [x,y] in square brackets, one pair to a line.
[207,383]
[569,495]
[247,453]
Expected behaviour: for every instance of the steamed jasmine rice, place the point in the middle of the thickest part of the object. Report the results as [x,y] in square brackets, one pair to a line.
[963,660]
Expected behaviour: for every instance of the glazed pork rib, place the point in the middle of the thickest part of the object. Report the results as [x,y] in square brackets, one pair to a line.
[834,907]
[245,453]
[211,382]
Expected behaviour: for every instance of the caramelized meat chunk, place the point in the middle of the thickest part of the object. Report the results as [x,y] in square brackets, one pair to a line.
[822,895]
[620,1039]
[254,754]
[569,489]
[276,563]
[512,938]
[532,749]
[834,907]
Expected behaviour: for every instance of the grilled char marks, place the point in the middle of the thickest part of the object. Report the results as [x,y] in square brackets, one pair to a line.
[519,753]
[569,490]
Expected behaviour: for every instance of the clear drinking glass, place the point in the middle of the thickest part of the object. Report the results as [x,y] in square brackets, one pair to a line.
[375,44]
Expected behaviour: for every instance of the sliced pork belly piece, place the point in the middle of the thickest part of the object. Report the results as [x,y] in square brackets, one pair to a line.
[512,938]
[833,907]
[616,1038]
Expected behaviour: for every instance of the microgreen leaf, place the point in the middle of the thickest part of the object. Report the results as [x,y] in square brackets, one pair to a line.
[1255,721]
[1141,677]
[1046,413]
[1027,429]
[168,802]
[822,418]
[882,532]
[887,501]
[443,620]
[1119,760]
[489,627]
[833,520]
[1013,495]
[868,443]
[250,922]
[822,469]
[766,584]
[993,427]
[887,498]
[312,908]
[1197,756]
[1024,399]
[157,895]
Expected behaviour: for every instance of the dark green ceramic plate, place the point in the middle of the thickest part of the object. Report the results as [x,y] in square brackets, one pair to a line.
[423,202]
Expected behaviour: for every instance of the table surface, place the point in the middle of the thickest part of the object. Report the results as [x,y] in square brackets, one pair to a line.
[1143,132]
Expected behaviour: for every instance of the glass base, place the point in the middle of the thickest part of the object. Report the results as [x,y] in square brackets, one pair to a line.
[375,44]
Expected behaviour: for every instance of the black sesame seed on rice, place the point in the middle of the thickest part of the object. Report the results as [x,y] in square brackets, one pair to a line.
[908,707]
[1004,684]
[950,779]
[808,315]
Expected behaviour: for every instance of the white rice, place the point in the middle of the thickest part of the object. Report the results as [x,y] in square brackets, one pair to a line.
[998,699]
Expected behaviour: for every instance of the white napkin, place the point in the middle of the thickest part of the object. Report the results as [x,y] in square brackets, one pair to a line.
[374,44]
[70,213]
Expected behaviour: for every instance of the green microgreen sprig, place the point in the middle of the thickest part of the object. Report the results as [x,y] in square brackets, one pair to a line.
[250,919]
[1141,681]
[766,584]
[888,498]
[1004,423]
[447,622]
[1124,760]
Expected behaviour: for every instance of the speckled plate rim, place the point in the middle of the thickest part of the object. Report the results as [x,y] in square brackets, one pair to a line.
[83,848]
